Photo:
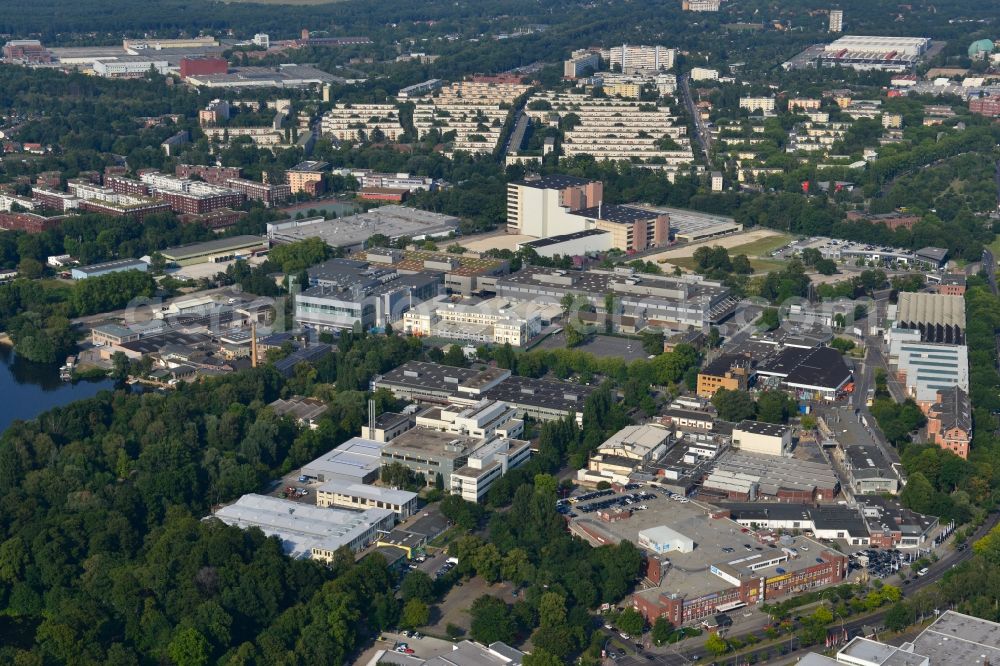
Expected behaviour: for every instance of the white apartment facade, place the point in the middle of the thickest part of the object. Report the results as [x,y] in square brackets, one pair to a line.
[362,122]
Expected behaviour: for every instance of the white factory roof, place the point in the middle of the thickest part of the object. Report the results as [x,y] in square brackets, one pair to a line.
[354,459]
[301,527]
[637,440]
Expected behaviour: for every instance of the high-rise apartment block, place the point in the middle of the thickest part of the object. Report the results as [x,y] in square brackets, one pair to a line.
[632,58]
[580,62]
[836,20]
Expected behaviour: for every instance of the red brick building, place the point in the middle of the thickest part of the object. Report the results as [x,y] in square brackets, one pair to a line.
[137,212]
[213,175]
[122,185]
[269,194]
[218,219]
[949,421]
[752,590]
[203,65]
[383,194]
[198,204]
[29,222]
[891,220]
[985,106]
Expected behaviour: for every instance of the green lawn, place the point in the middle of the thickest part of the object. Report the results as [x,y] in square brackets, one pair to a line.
[754,250]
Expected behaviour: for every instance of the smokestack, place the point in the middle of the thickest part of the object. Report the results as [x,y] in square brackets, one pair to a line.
[253,344]
[599,205]
[371,419]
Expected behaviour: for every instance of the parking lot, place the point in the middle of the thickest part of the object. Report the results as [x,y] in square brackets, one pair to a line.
[599,500]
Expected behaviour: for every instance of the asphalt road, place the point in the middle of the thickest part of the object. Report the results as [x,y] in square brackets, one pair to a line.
[701,133]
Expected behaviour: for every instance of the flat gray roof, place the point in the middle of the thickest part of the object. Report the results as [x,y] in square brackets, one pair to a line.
[354,459]
[390,495]
[208,247]
[392,221]
[956,638]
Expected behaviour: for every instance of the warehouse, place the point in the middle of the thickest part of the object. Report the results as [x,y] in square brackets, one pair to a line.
[216,251]
[691,226]
[570,245]
[352,232]
[819,373]
[94,270]
[357,460]
[539,398]
[746,476]
[663,539]
[938,317]
[771,439]
[307,531]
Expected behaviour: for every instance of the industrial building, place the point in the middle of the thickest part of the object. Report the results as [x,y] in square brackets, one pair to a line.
[345,293]
[869,471]
[671,303]
[304,411]
[589,241]
[352,232]
[953,638]
[117,266]
[307,531]
[740,475]
[771,439]
[282,76]
[539,206]
[348,495]
[864,52]
[819,373]
[625,453]
[925,368]
[466,274]
[441,384]
[215,251]
[663,539]
[938,317]
[357,460]
[710,568]
[726,371]
[484,321]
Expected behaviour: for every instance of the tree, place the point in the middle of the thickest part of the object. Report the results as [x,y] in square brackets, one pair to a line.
[734,406]
[826,267]
[652,342]
[631,622]
[769,319]
[491,620]
[774,407]
[662,629]
[415,614]
[551,609]
[541,657]
[455,357]
[120,366]
[717,645]
[189,648]
[417,585]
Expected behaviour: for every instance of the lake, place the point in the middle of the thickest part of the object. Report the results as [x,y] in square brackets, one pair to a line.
[28,389]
